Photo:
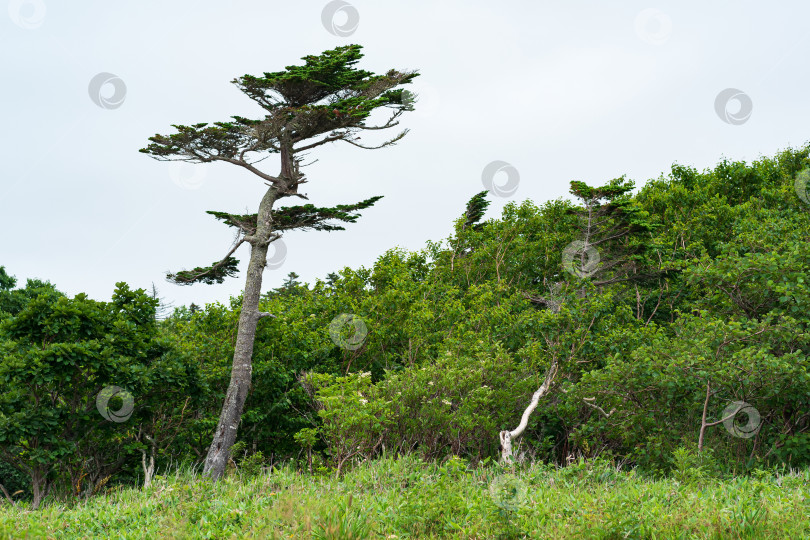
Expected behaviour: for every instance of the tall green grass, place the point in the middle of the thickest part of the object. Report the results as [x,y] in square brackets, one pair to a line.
[408,498]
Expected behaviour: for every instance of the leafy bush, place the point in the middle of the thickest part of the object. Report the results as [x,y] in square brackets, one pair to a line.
[455,406]
[458,404]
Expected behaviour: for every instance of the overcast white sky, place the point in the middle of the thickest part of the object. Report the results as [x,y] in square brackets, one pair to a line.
[559,90]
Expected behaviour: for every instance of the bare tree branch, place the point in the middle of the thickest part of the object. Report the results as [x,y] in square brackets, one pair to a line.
[597,407]
[3,489]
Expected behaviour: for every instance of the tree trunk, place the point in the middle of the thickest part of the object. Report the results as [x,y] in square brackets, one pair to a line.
[39,486]
[148,469]
[225,434]
[506,437]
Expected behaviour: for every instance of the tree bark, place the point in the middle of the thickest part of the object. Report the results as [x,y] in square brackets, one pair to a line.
[225,435]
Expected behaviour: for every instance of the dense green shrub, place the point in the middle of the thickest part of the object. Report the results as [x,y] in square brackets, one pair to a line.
[58,353]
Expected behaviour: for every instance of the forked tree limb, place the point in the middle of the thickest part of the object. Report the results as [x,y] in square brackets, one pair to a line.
[704,424]
[148,470]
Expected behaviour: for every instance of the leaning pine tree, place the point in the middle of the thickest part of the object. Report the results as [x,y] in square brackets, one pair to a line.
[325,100]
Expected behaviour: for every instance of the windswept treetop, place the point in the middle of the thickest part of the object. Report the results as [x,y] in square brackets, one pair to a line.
[325,100]
[327,96]
[476,207]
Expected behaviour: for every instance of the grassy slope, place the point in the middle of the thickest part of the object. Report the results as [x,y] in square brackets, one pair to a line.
[407,498]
